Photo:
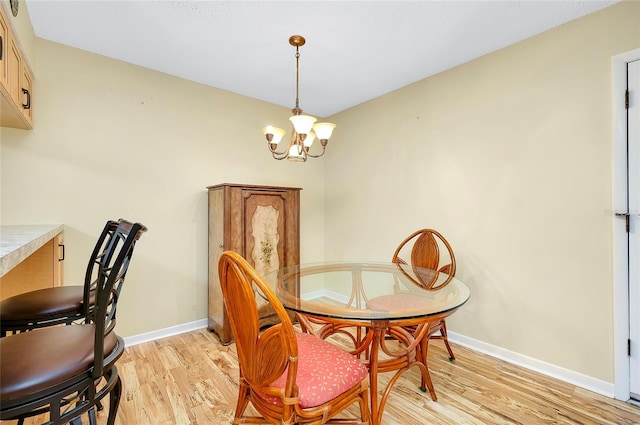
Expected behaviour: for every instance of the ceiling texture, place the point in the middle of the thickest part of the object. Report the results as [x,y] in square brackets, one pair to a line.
[355,50]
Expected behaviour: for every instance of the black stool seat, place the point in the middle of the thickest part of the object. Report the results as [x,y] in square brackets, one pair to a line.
[39,361]
[42,305]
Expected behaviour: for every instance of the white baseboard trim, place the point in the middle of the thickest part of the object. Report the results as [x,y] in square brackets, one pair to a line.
[596,385]
[587,382]
[166,332]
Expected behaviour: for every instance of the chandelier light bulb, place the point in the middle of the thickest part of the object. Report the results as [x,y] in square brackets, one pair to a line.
[308,141]
[302,123]
[296,153]
[323,130]
[274,134]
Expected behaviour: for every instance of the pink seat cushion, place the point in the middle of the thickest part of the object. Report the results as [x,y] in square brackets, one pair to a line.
[324,372]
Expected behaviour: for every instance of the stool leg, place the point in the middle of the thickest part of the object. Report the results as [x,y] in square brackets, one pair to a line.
[92,417]
[114,401]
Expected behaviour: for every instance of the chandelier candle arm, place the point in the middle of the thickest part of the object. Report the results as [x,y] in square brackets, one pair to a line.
[305,129]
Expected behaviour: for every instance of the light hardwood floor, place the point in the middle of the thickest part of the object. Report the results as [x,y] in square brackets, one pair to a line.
[192,379]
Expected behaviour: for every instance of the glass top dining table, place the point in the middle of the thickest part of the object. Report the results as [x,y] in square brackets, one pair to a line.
[367,291]
[374,300]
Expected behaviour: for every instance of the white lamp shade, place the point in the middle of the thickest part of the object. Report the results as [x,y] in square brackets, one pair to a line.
[323,130]
[308,141]
[302,123]
[295,154]
[277,133]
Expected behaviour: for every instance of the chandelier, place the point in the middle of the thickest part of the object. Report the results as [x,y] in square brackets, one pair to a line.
[305,129]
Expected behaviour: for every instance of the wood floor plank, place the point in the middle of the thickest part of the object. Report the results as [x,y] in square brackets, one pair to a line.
[192,379]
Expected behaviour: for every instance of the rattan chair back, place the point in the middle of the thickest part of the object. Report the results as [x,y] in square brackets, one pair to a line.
[264,356]
[427,251]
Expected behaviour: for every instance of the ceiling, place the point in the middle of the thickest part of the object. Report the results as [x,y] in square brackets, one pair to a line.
[355,50]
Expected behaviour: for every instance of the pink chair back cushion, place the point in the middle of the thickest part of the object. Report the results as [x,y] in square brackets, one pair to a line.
[324,372]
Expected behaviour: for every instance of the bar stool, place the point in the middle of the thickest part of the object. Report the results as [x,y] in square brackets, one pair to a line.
[67,370]
[58,305]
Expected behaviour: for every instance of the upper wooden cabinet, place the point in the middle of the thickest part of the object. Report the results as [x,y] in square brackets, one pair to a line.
[16,81]
[4,48]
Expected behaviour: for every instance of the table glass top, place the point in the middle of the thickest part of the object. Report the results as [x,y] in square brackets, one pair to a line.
[367,291]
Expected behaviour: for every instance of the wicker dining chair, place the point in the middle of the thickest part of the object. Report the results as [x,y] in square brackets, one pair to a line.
[61,304]
[289,377]
[430,255]
[66,371]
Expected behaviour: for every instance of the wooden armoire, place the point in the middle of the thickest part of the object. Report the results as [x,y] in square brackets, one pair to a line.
[261,223]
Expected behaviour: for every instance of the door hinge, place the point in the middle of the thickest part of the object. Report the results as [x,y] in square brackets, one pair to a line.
[626,220]
[629,347]
[626,226]
[626,99]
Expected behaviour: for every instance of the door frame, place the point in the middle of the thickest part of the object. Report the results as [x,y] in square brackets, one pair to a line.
[621,384]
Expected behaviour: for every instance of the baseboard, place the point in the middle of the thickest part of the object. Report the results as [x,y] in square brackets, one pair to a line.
[565,375]
[548,369]
[166,332]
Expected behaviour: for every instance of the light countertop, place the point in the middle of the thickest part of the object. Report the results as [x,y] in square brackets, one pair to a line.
[17,242]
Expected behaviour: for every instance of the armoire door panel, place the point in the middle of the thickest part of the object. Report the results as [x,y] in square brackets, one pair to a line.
[264,231]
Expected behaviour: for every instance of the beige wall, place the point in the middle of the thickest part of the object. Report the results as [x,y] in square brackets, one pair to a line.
[510,157]
[115,140]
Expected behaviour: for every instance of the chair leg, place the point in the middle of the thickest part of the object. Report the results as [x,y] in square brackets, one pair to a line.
[443,331]
[76,421]
[243,401]
[425,380]
[114,401]
[363,401]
